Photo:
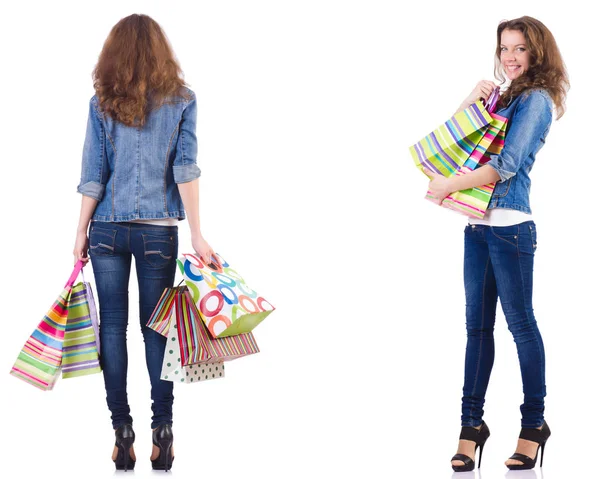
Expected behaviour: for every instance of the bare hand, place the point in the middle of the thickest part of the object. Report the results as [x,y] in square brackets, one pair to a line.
[482,90]
[439,186]
[204,251]
[81,248]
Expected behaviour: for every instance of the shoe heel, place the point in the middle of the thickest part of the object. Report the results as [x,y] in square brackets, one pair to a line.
[165,448]
[125,446]
[543,445]
[480,454]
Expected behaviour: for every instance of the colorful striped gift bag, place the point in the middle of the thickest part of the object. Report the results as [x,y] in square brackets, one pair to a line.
[193,333]
[473,202]
[40,358]
[39,361]
[460,145]
[160,319]
[80,346]
[195,343]
[224,300]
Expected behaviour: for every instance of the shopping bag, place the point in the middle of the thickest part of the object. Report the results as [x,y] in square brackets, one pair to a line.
[160,319]
[40,358]
[196,344]
[226,348]
[460,145]
[173,370]
[227,305]
[80,345]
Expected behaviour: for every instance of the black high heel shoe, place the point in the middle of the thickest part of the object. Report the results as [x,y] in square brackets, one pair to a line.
[535,435]
[162,437]
[478,436]
[124,438]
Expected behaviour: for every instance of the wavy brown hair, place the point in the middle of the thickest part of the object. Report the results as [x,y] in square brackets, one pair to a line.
[136,69]
[546,67]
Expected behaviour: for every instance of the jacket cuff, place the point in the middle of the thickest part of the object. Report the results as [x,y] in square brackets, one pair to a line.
[495,163]
[92,189]
[185,173]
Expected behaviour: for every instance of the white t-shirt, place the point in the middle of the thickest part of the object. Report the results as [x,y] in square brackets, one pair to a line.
[501,217]
[158,222]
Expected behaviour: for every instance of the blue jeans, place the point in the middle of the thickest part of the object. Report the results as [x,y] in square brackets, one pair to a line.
[111,246]
[498,262]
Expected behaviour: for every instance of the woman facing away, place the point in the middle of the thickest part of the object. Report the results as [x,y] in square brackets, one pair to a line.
[500,248]
[139,178]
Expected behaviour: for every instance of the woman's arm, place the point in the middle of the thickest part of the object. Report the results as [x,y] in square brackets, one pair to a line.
[440,186]
[189,193]
[190,196]
[88,205]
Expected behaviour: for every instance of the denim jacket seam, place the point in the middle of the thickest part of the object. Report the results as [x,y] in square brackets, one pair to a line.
[167,163]
[100,120]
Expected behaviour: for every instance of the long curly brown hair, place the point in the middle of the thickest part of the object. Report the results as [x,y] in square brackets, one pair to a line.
[136,69]
[546,67]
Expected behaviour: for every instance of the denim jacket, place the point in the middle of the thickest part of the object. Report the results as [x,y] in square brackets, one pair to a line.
[133,171]
[529,119]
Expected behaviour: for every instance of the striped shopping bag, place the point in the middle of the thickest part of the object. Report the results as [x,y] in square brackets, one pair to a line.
[40,358]
[160,319]
[460,145]
[81,344]
[189,320]
[195,344]
[39,361]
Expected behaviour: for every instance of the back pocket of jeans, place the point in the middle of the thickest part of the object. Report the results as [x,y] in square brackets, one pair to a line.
[102,241]
[158,249]
[533,231]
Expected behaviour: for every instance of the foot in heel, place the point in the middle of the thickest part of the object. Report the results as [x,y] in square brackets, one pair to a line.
[471,438]
[162,448]
[123,453]
[530,442]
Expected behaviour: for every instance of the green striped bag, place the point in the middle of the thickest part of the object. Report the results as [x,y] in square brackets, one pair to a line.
[460,145]
[80,354]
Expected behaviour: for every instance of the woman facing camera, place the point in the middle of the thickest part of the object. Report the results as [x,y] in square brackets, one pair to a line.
[500,248]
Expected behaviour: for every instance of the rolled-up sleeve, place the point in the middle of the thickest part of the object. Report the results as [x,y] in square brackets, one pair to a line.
[93,164]
[526,131]
[185,166]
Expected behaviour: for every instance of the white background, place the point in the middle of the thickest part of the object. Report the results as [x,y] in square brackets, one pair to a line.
[306,112]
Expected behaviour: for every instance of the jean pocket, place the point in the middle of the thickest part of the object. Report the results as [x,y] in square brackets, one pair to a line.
[533,232]
[159,249]
[501,188]
[509,234]
[102,241]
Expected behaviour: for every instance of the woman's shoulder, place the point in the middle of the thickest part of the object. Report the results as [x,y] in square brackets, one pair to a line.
[187,94]
[536,96]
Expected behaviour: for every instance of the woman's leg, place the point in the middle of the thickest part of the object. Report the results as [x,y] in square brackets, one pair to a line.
[111,261]
[481,299]
[155,250]
[512,250]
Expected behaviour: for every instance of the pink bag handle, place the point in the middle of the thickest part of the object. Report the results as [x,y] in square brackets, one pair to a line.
[75,273]
[490,104]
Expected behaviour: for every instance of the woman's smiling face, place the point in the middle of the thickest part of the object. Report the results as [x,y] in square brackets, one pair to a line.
[514,54]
